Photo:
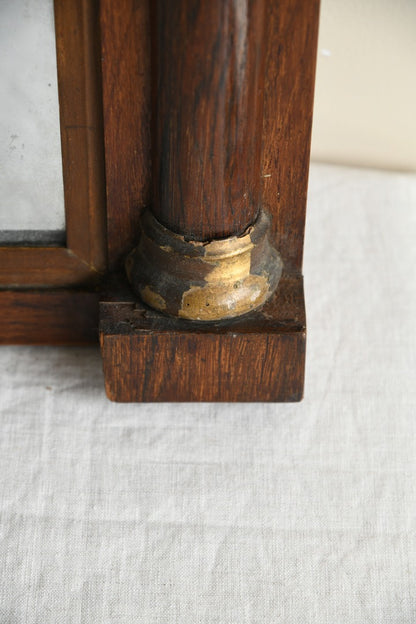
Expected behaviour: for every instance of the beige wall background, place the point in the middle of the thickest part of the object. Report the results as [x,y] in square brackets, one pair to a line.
[365,95]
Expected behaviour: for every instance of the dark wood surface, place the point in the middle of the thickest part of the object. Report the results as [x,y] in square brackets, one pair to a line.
[259,357]
[66,316]
[84,256]
[291,41]
[43,267]
[147,356]
[126,95]
[48,317]
[290,46]
[80,109]
[208,82]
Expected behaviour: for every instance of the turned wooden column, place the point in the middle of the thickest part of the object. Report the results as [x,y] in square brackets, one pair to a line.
[228,86]
[204,252]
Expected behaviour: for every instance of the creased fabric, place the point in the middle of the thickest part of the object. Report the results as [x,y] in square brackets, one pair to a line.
[232,514]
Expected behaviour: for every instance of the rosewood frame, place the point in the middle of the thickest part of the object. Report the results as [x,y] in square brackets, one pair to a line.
[53,292]
[84,258]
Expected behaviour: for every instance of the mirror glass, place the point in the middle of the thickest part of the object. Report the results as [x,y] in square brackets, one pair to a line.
[31,183]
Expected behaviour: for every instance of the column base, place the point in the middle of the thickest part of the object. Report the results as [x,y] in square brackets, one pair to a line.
[149,357]
[204,281]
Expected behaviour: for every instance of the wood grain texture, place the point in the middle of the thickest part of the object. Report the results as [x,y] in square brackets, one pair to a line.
[52,317]
[208,75]
[291,40]
[126,96]
[289,45]
[84,257]
[259,357]
[80,109]
[65,316]
[30,267]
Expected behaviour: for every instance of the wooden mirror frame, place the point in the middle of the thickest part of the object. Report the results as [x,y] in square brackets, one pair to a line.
[32,309]
[51,295]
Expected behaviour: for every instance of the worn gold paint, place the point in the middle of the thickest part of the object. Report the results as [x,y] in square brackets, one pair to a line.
[152,298]
[205,281]
[166,248]
[230,289]
[216,301]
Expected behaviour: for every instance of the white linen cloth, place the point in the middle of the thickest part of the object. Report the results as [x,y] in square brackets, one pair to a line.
[222,513]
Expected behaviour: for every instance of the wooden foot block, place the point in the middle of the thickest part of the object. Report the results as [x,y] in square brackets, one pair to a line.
[258,357]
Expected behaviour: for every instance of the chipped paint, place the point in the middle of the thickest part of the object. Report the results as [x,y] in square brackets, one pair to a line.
[218,300]
[204,280]
[152,298]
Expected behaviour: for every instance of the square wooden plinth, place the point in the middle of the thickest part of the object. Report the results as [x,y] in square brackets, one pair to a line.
[258,357]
